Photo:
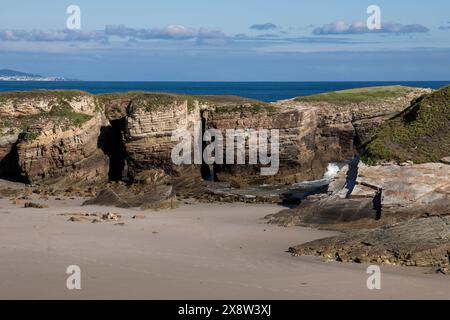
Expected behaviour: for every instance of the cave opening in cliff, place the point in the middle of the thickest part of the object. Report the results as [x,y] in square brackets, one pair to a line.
[377,204]
[9,166]
[111,141]
[208,172]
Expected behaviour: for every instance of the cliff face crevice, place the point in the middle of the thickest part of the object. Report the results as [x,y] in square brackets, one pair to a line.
[112,142]
[207,172]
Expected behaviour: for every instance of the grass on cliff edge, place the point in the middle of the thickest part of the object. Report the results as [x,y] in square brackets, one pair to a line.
[64,111]
[42,93]
[370,94]
[60,113]
[421,133]
[225,104]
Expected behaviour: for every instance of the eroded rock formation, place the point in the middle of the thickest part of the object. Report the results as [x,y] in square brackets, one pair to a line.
[364,196]
[51,136]
[150,122]
[312,133]
[64,155]
[421,242]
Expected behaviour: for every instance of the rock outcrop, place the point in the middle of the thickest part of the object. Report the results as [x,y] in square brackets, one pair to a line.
[359,111]
[297,142]
[396,212]
[53,138]
[70,155]
[314,131]
[125,197]
[421,242]
[364,196]
[150,123]
[22,104]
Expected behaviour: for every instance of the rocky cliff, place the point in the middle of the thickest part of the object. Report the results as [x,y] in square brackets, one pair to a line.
[67,138]
[56,135]
[151,119]
[297,142]
[52,137]
[314,130]
[396,212]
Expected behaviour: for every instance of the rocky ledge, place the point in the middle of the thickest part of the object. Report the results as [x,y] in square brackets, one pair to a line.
[364,196]
[422,242]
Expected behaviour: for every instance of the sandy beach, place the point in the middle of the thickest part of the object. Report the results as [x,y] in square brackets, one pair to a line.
[198,251]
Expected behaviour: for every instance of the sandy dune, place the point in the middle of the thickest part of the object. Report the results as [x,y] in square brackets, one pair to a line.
[199,251]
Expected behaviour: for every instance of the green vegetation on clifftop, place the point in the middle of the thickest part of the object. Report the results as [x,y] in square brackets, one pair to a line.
[37,94]
[61,114]
[371,94]
[251,108]
[154,101]
[421,133]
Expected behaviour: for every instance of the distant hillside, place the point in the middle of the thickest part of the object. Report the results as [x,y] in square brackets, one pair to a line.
[13,75]
[421,133]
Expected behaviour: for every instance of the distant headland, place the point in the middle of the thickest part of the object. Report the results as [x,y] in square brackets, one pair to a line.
[12,75]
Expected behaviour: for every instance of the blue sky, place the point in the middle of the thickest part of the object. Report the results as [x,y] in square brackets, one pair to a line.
[199,40]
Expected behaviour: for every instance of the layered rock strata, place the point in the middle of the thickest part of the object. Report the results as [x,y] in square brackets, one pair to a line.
[70,155]
[52,137]
[56,135]
[312,133]
[150,125]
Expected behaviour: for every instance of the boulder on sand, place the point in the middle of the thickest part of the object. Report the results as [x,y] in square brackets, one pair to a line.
[126,197]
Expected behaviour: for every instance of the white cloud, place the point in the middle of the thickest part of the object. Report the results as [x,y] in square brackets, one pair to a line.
[51,36]
[360,27]
[170,32]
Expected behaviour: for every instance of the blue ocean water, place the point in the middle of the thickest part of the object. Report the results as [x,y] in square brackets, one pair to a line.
[265,91]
